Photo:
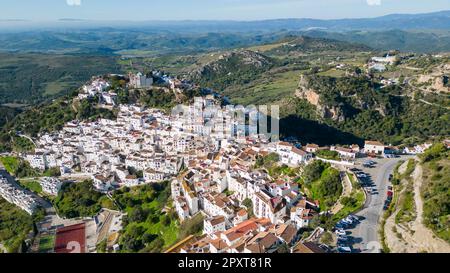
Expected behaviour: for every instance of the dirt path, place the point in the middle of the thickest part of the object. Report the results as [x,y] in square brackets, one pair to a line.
[416,238]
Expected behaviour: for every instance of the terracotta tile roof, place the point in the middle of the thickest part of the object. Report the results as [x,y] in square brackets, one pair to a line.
[262,242]
[219,244]
[242,212]
[376,143]
[283,143]
[287,232]
[298,151]
[307,247]
[217,220]
[315,146]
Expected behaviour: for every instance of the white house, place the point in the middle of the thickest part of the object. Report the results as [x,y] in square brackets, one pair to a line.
[238,185]
[265,206]
[151,176]
[291,155]
[50,185]
[101,183]
[140,81]
[344,152]
[131,181]
[37,160]
[214,224]
[374,147]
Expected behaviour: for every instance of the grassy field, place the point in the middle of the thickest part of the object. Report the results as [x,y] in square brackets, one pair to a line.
[333,73]
[435,192]
[355,203]
[321,189]
[57,87]
[15,224]
[269,88]
[31,185]
[350,208]
[264,48]
[144,206]
[19,167]
[11,163]
[406,205]
[406,213]
[168,233]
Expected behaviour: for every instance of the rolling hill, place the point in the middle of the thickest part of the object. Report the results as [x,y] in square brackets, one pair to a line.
[323,104]
[33,78]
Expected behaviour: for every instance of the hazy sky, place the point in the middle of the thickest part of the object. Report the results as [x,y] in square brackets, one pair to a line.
[48,10]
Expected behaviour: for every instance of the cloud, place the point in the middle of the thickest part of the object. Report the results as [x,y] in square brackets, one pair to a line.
[73,2]
[373,2]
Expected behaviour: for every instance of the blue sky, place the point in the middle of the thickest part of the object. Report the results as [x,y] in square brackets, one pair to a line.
[49,10]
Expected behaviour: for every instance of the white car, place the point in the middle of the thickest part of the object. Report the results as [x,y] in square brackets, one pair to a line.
[344,249]
[340,232]
[348,220]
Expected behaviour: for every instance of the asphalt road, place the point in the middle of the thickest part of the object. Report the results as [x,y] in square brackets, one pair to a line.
[365,234]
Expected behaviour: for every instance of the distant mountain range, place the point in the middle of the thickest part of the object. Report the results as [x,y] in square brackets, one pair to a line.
[435,20]
[428,32]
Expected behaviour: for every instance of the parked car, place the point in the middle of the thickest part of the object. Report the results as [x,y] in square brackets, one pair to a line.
[344,249]
[325,248]
[341,225]
[351,218]
[348,222]
[361,175]
[341,244]
[340,232]
[390,194]
[354,217]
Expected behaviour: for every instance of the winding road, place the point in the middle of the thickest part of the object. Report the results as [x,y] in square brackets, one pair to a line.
[365,234]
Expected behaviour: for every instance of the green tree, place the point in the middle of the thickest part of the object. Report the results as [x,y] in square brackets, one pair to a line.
[314,170]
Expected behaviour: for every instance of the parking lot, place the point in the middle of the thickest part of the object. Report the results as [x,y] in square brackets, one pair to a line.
[361,234]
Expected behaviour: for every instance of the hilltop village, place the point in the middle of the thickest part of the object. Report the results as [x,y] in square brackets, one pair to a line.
[214,171]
